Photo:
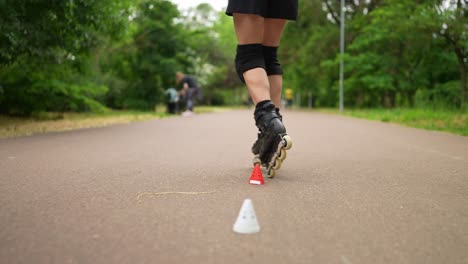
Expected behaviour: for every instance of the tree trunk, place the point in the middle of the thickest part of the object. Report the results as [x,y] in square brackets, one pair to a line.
[411,91]
[411,98]
[389,99]
[360,99]
[393,95]
[462,67]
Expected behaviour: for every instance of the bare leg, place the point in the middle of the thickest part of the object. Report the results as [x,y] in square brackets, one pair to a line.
[249,30]
[273,29]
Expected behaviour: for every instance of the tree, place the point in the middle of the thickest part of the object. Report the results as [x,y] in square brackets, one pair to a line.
[449,19]
[57,29]
[398,52]
[386,57]
[44,52]
[149,61]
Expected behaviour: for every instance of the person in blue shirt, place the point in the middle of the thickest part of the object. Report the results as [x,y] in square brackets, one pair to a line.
[172,98]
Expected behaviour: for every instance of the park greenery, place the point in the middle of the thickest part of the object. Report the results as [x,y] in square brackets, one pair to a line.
[96,55]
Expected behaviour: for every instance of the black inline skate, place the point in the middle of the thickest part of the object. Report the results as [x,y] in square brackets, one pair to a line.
[272,143]
[258,143]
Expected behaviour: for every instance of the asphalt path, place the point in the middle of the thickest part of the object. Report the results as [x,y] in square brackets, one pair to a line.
[350,191]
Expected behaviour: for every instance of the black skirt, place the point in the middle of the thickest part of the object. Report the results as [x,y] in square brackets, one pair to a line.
[280,9]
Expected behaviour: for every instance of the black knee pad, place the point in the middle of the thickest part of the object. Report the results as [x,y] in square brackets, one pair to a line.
[249,56]
[273,67]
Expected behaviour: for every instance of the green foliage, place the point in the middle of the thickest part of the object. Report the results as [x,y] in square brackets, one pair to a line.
[398,53]
[442,96]
[441,120]
[44,50]
[139,70]
[55,29]
[80,54]
[87,55]
[26,90]
[212,43]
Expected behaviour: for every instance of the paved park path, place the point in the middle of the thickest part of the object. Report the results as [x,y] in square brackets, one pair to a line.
[351,191]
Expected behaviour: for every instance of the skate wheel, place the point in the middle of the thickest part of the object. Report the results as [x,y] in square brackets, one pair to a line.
[277,165]
[282,155]
[287,142]
[271,173]
[256,160]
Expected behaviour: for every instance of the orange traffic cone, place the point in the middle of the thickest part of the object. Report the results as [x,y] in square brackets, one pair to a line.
[257,177]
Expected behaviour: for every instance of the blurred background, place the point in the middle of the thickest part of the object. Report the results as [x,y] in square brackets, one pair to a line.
[99,56]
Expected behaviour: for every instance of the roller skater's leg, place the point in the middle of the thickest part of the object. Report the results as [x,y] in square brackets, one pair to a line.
[273,30]
[253,69]
[250,62]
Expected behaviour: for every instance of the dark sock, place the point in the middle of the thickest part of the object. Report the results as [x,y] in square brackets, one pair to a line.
[262,103]
[279,115]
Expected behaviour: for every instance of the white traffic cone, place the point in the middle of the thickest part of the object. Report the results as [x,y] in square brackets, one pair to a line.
[246,222]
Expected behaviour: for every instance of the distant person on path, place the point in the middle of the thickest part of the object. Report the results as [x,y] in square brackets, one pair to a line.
[289,97]
[172,99]
[189,91]
[259,25]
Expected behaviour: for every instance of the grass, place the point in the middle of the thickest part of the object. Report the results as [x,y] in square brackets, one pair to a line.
[214,109]
[441,120]
[53,122]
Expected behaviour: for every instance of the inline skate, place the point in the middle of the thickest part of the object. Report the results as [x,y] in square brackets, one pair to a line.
[273,141]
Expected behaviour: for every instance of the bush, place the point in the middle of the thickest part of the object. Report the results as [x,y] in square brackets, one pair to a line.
[442,96]
[217,99]
[29,87]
